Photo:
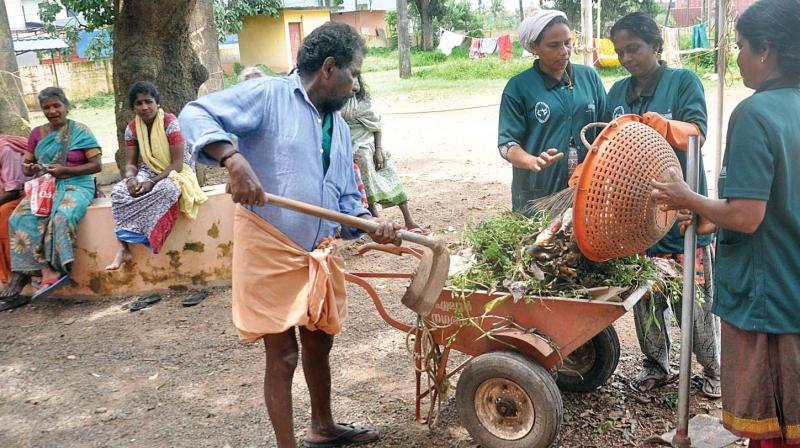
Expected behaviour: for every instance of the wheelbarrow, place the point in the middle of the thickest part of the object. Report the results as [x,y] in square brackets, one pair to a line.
[519,355]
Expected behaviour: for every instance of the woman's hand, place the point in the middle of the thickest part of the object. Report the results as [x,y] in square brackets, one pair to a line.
[378,158]
[704,226]
[57,171]
[673,194]
[132,184]
[545,159]
[144,187]
[31,168]
[386,232]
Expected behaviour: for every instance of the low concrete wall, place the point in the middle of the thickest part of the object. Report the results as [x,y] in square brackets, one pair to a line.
[78,79]
[196,253]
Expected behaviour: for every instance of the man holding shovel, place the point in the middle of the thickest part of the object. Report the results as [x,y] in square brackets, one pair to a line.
[286,274]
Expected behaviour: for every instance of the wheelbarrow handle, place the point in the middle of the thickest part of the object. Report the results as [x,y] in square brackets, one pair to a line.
[353,221]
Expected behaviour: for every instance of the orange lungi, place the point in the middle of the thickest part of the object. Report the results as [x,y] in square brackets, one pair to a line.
[278,285]
[5,258]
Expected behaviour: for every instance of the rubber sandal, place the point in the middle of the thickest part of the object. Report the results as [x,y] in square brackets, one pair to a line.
[195,298]
[49,286]
[712,387]
[345,438]
[143,302]
[649,379]
[13,302]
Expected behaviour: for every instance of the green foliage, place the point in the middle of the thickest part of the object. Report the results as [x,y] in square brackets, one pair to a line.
[233,77]
[460,16]
[462,68]
[229,14]
[101,101]
[610,11]
[382,59]
[98,13]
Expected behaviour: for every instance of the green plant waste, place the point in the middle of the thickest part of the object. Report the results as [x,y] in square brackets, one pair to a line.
[537,256]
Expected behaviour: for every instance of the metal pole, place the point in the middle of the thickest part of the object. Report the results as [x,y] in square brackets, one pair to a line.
[722,64]
[586,23]
[682,438]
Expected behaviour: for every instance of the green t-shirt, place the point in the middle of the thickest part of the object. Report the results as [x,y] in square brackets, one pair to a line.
[327,135]
[677,94]
[758,273]
[538,113]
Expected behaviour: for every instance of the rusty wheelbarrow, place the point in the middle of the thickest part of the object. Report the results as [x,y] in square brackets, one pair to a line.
[520,354]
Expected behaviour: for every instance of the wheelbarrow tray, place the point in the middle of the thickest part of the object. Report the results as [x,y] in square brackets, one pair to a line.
[546,328]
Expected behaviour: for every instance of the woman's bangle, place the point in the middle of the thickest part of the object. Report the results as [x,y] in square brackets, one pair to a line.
[227,156]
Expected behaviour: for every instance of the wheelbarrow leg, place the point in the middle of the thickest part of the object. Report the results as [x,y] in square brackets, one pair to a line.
[418,377]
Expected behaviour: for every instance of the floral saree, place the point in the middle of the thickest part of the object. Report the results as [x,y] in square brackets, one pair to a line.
[50,240]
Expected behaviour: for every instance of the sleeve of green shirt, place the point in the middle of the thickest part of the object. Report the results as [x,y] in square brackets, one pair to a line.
[749,162]
[692,101]
[513,123]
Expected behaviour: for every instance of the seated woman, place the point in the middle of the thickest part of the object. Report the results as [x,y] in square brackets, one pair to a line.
[381,181]
[159,179]
[68,151]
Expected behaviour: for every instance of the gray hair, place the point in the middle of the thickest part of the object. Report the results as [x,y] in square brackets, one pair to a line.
[53,92]
[250,73]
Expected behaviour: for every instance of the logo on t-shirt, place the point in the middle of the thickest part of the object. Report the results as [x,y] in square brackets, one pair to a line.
[618,112]
[542,112]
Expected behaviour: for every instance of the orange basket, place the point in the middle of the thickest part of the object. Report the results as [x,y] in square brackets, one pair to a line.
[614,215]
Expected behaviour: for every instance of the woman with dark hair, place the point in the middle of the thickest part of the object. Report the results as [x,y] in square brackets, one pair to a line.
[44,245]
[543,109]
[664,97]
[159,177]
[758,249]
[381,182]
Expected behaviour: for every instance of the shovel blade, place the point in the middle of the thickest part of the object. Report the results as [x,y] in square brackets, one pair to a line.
[428,282]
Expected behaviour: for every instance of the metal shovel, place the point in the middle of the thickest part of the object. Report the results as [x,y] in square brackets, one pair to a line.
[431,273]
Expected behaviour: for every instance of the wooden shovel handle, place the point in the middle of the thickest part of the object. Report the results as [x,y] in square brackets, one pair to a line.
[352,221]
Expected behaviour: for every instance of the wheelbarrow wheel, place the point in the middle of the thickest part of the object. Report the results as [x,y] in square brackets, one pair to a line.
[507,400]
[591,364]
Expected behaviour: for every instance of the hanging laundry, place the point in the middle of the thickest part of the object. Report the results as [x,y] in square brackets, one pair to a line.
[700,36]
[449,40]
[475,49]
[504,47]
[488,45]
[672,47]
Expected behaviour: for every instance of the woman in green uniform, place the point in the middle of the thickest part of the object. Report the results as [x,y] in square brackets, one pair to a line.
[758,251]
[666,98]
[544,108]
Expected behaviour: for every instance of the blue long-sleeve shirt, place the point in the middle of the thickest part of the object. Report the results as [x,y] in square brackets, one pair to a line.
[280,134]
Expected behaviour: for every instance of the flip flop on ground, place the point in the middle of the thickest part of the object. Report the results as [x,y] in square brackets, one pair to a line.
[195,298]
[13,302]
[47,287]
[347,438]
[143,302]
[649,379]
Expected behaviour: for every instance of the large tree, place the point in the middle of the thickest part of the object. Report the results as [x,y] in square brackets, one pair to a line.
[13,112]
[428,10]
[610,11]
[204,41]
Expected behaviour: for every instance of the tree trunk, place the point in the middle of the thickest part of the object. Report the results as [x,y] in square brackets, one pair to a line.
[13,112]
[205,44]
[152,43]
[403,50]
[427,24]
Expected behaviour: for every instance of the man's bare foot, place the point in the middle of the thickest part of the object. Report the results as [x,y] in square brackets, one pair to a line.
[15,287]
[123,256]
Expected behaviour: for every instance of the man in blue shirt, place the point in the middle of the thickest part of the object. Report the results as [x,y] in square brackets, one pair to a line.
[292,142]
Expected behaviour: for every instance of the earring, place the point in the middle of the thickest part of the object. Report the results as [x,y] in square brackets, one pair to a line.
[763,60]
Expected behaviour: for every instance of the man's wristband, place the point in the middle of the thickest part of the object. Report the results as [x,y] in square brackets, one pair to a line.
[227,156]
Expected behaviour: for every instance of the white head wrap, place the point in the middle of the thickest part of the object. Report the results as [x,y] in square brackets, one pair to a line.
[531,27]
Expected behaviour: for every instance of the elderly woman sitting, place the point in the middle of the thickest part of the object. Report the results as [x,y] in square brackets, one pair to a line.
[67,150]
[159,179]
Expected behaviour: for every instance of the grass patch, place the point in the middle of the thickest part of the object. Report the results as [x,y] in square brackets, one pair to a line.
[382,59]
[101,101]
[487,68]
[233,77]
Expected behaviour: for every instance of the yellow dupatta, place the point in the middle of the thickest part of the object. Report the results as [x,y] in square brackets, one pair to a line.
[154,151]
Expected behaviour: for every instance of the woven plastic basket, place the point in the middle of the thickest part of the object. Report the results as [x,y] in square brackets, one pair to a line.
[614,214]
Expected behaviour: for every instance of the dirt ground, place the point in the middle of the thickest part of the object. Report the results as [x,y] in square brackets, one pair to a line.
[86,373]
